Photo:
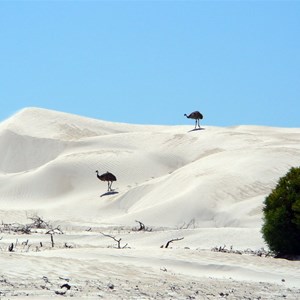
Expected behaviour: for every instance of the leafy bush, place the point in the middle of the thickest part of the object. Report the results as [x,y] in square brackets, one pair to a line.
[281,228]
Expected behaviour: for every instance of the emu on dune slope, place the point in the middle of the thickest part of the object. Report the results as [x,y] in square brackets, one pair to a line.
[109,177]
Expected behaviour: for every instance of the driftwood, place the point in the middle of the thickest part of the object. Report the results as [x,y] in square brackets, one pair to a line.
[171,241]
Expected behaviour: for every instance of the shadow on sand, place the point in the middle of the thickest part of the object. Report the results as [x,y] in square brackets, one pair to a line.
[196,129]
[109,193]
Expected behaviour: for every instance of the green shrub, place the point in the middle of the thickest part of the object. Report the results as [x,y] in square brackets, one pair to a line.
[281,228]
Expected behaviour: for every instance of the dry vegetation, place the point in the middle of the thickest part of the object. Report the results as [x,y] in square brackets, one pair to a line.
[116,281]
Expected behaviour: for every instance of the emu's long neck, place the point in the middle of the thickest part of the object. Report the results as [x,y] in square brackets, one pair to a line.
[98,175]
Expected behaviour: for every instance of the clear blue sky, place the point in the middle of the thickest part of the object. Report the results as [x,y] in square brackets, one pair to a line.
[149,62]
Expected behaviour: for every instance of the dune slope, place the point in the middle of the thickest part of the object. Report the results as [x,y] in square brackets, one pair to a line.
[166,175]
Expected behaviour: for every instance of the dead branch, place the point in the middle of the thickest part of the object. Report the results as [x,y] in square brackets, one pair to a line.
[66,285]
[38,222]
[116,240]
[55,230]
[142,227]
[261,252]
[52,240]
[16,227]
[191,224]
[11,247]
[171,241]
[68,246]
[25,243]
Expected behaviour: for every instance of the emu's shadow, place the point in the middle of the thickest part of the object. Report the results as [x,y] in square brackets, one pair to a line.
[109,193]
[196,129]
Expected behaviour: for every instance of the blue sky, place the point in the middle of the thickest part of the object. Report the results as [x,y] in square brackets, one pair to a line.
[149,62]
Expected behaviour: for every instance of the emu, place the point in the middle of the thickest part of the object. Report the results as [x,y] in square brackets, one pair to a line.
[196,115]
[109,177]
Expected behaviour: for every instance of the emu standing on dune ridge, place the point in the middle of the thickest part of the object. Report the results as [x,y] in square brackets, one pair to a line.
[196,115]
[109,177]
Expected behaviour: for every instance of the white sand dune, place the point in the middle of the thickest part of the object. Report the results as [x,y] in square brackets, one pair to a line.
[207,186]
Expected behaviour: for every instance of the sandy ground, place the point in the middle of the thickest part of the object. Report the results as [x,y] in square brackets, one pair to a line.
[87,264]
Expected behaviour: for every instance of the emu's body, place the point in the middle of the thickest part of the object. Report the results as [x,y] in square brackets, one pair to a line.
[109,177]
[196,115]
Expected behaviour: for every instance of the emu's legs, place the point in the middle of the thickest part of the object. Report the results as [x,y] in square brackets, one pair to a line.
[109,183]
